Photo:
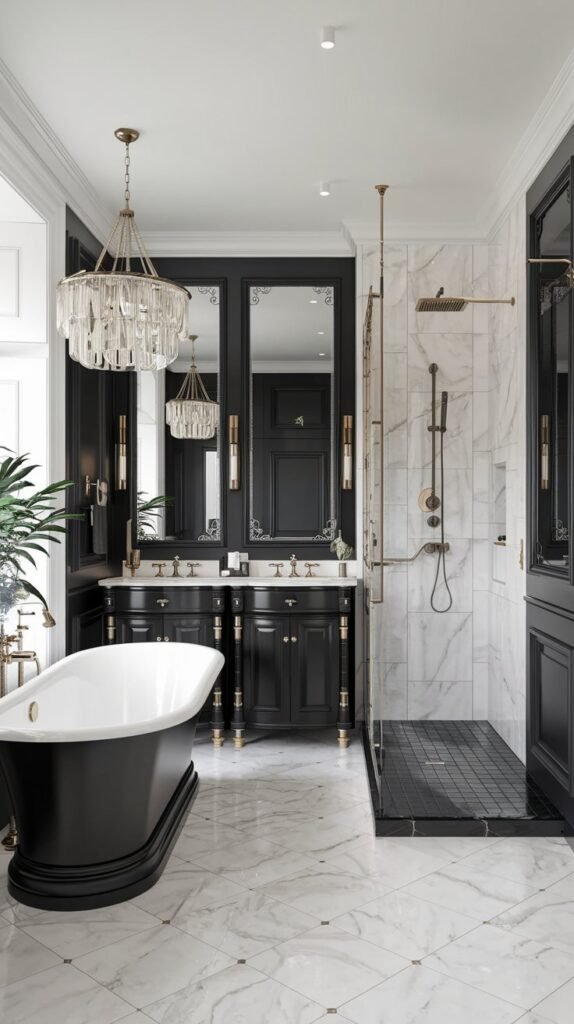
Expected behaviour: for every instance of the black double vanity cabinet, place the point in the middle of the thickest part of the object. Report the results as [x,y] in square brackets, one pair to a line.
[287,648]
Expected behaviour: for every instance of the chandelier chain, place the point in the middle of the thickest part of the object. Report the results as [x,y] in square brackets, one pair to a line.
[127,176]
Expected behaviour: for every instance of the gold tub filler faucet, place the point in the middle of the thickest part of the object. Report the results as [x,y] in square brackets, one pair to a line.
[9,656]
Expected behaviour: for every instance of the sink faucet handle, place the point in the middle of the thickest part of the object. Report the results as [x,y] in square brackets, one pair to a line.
[310,566]
[277,566]
[192,566]
[293,564]
[160,566]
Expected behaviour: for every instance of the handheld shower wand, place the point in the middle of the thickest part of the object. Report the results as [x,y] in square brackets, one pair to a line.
[441,560]
[443,408]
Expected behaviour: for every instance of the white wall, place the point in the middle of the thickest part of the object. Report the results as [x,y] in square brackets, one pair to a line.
[24,369]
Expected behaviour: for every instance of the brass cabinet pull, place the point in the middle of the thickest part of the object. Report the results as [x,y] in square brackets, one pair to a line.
[285,639]
[166,639]
[290,601]
[159,639]
[162,601]
[293,639]
[544,453]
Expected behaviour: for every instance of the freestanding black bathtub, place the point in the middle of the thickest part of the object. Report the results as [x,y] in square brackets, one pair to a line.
[96,753]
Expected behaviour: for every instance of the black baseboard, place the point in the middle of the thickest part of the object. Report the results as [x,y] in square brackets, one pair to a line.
[101,885]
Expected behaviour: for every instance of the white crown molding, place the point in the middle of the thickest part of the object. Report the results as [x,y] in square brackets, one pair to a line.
[367,232]
[248,243]
[552,121]
[28,131]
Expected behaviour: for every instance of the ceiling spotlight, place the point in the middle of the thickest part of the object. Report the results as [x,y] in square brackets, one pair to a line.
[328,37]
[320,332]
[321,353]
[324,189]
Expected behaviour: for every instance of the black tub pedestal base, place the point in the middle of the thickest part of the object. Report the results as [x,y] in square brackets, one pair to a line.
[103,884]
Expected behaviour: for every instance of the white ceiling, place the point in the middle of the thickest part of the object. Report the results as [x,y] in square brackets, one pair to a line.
[242,113]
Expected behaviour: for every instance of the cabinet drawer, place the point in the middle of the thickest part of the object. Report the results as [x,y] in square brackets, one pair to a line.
[166,599]
[282,599]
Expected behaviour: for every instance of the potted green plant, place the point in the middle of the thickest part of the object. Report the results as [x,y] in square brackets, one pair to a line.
[28,523]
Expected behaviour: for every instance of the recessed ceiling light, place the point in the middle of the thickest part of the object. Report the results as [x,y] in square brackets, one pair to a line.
[328,37]
[321,353]
[320,332]
[324,189]
[313,301]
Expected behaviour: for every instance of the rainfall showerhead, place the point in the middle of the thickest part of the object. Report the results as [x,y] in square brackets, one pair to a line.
[442,303]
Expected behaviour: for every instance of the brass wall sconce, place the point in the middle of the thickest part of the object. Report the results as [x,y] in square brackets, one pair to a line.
[234,456]
[347,473]
[122,454]
[544,453]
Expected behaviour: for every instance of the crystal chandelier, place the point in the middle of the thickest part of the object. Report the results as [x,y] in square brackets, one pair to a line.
[191,415]
[120,319]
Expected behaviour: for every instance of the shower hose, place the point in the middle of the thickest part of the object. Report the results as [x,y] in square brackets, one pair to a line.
[441,558]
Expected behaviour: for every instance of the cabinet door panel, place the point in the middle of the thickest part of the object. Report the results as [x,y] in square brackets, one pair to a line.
[266,670]
[189,629]
[132,629]
[314,670]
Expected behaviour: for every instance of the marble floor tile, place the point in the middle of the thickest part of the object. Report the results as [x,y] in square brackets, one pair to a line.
[477,894]
[535,860]
[70,934]
[238,995]
[278,821]
[185,884]
[557,1008]
[450,848]
[322,839]
[201,836]
[504,964]
[21,956]
[417,995]
[390,863]
[328,965]
[152,965]
[404,924]
[325,893]
[61,995]
[359,819]
[254,862]
[547,917]
[245,925]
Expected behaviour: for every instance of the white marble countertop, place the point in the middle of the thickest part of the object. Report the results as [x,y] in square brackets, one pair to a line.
[229,581]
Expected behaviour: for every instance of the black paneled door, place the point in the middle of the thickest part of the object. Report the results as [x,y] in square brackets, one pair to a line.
[550,419]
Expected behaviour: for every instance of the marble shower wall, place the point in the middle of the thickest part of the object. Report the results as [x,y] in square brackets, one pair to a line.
[434,665]
[507,432]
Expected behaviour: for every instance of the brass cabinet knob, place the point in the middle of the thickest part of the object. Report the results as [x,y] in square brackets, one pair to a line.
[162,601]
[293,639]
[285,639]
[166,639]
[159,639]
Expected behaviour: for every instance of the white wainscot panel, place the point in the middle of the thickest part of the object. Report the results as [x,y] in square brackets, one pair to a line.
[23,283]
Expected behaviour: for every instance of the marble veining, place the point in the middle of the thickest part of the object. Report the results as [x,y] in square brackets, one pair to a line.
[340,934]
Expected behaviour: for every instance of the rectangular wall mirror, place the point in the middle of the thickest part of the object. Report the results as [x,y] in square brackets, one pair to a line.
[184,470]
[292,400]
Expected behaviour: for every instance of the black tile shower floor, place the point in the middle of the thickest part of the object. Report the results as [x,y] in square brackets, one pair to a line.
[456,770]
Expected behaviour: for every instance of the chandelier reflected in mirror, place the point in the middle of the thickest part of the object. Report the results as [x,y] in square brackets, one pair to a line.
[122,315]
[191,415]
